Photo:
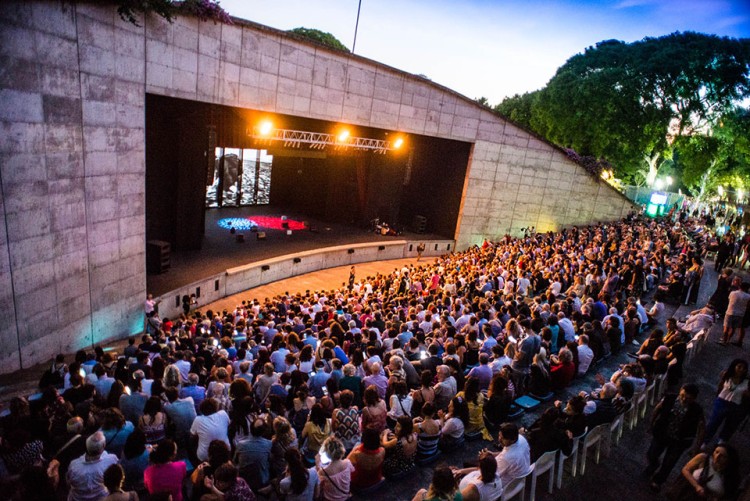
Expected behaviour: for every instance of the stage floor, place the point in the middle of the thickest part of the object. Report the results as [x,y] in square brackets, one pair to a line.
[221,251]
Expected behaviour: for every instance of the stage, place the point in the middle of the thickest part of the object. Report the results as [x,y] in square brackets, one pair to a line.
[221,251]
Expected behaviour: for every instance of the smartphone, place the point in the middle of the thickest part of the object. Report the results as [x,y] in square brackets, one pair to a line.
[215,342]
[325,390]
[324,459]
[422,355]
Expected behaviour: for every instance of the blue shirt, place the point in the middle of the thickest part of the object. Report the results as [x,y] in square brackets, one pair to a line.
[317,382]
[339,353]
[255,452]
[197,393]
[116,438]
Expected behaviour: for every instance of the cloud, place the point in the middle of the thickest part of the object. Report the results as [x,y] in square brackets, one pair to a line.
[628,4]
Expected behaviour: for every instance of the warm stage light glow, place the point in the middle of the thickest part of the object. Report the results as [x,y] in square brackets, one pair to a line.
[265,128]
[398,142]
[343,136]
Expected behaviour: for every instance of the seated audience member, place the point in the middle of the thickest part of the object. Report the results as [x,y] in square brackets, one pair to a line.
[367,459]
[85,476]
[165,474]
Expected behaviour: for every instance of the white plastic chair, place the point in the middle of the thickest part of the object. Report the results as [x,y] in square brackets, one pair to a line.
[659,383]
[593,438]
[615,429]
[545,463]
[516,487]
[573,457]
[642,404]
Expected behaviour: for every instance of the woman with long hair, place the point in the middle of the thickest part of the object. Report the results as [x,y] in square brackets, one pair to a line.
[300,483]
[284,438]
[453,423]
[727,409]
[374,414]
[712,476]
[499,400]
[400,447]
[316,430]
[153,422]
[475,401]
[442,488]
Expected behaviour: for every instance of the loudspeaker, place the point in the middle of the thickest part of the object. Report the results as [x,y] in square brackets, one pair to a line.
[350,251]
[239,238]
[381,247]
[265,267]
[297,260]
[261,235]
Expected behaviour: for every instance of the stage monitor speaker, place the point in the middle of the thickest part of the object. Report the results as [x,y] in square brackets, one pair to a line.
[297,260]
[381,247]
[261,235]
[419,224]
[240,238]
[265,267]
[350,251]
[285,225]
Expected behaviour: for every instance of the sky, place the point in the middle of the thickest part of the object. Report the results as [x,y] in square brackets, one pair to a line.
[492,48]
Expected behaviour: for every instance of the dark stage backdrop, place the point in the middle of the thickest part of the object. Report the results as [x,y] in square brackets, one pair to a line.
[423,178]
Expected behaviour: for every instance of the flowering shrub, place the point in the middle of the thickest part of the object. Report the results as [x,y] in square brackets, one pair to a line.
[592,164]
[204,9]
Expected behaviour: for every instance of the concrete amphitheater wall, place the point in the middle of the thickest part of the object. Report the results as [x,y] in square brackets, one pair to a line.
[73,81]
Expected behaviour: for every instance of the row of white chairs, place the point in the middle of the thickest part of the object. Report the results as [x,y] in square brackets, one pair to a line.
[600,438]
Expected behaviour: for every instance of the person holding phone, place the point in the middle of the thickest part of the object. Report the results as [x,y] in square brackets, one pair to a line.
[334,470]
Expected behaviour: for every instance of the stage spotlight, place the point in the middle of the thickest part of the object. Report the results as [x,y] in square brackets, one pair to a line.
[398,143]
[343,136]
[265,128]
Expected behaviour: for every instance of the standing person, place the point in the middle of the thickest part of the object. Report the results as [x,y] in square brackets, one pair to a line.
[738,304]
[352,278]
[720,297]
[420,250]
[708,476]
[727,408]
[676,422]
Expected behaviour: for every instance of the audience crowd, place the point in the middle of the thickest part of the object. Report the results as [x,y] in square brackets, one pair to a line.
[326,393]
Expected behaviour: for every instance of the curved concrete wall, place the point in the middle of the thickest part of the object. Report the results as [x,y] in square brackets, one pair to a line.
[248,276]
[72,163]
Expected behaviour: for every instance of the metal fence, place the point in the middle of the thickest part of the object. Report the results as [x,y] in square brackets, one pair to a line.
[641,195]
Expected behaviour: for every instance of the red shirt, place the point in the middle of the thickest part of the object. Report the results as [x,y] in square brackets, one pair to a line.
[165,477]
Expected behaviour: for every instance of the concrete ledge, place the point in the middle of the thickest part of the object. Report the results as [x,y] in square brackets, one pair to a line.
[251,275]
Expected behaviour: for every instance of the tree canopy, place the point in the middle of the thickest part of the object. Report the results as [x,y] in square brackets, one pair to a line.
[323,37]
[204,9]
[633,104]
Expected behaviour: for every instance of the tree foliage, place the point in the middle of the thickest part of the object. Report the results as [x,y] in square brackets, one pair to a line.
[204,9]
[629,103]
[323,37]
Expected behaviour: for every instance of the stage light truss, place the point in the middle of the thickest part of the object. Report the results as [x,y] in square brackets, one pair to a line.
[320,140]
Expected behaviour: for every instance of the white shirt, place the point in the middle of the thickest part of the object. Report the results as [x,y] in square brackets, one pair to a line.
[585,357]
[487,492]
[514,461]
[209,428]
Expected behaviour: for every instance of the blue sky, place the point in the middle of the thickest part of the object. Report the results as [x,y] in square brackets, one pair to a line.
[493,48]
